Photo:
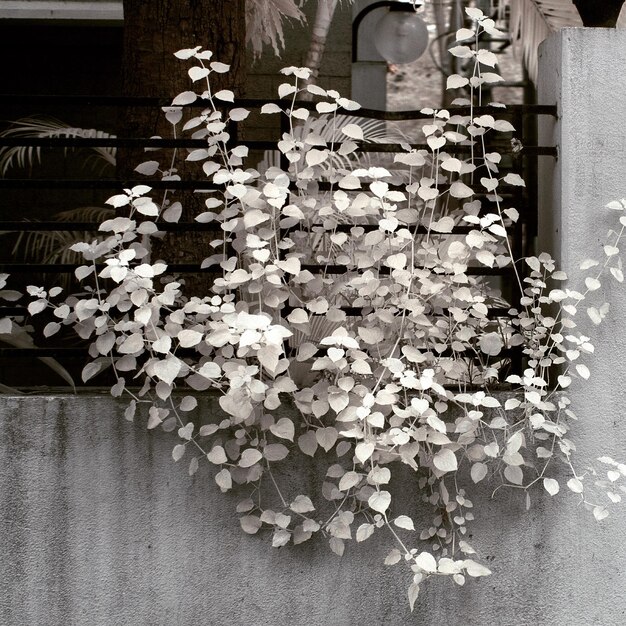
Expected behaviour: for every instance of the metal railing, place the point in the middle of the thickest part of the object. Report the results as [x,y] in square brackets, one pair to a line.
[520,234]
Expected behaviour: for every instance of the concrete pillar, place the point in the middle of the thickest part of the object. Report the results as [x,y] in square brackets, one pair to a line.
[583,72]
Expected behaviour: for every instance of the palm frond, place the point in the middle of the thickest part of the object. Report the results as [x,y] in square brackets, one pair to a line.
[20,338]
[533,20]
[329,129]
[44,127]
[53,247]
[264,23]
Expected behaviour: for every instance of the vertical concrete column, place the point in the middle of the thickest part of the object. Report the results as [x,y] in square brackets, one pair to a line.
[583,72]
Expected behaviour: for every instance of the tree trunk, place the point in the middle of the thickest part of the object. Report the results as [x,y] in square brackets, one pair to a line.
[153,31]
[323,19]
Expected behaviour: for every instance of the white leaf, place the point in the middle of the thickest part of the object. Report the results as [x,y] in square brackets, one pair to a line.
[475,569]
[600,512]
[588,263]
[220,68]
[326,107]
[286,89]
[148,168]
[249,457]
[514,474]
[460,190]
[583,371]
[226,95]
[404,521]
[224,480]
[308,443]
[393,557]
[178,452]
[354,131]
[250,524]
[326,437]
[486,57]
[237,115]
[186,97]
[118,201]
[455,81]
[271,108]
[197,72]
[491,344]
[364,451]
[173,212]
[551,486]
[348,480]
[478,472]
[275,452]
[302,504]
[188,403]
[210,370]
[167,370]
[217,455]
[413,593]
[364,531]
[83,271]
[92,369]
[131,344]
[284,428]
[464,33]
[380,501]
[186,53]
[426,562]
[575,485]
[445,460]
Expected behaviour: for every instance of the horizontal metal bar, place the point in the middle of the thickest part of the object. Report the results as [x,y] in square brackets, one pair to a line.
[78,226]
[42,352]
[13,310]
[203,227]
[460,149]
[105,183]
[139,142]
[102,142]
[65,268]
[358,311]
[385,271]
[60,352]
[123,101]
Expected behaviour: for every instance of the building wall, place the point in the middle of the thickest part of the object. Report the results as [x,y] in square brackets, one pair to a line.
[99,527]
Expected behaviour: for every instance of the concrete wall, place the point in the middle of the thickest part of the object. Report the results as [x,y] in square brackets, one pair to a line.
[583,72]
[100,528]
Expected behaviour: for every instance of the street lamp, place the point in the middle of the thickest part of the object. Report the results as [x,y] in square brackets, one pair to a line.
[401,36]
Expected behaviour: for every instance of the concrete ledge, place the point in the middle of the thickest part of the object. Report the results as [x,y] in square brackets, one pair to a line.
[100,527]
[63,10]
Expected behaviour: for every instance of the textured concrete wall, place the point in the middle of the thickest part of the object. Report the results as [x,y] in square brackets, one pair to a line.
[583,71]
[100,528]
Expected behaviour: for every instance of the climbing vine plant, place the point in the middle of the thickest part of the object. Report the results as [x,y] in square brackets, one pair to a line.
[343,292]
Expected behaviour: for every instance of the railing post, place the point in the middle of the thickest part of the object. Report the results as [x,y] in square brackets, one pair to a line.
[583,72]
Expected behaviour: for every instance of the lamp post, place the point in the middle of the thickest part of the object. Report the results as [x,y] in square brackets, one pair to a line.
[399,35]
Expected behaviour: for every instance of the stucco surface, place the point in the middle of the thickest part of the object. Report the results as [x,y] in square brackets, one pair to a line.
[583,71]
[101,528]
